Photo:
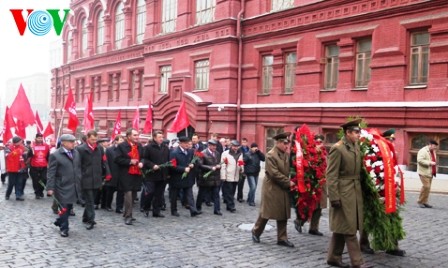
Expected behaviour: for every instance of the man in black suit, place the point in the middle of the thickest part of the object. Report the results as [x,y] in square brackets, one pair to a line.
[182,176]
[155,154]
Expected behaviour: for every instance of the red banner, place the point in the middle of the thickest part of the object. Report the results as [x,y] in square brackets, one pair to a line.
[300,173]
[389,172]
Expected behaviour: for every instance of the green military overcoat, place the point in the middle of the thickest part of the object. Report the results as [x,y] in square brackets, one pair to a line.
[275,203]
[343,180]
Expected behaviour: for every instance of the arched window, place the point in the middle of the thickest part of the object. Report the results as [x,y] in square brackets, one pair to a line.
[140,21]
[99,31]
[119,25]
[69,46]
[83,40]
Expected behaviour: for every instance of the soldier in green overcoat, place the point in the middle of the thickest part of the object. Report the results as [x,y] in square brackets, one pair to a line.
[345,194]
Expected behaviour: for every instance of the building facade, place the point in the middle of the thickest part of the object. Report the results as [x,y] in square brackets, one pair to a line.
[252,68]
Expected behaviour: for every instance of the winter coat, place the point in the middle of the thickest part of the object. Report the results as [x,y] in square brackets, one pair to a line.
[64,176]
[94,166]
[176,173]
[343,180]
[252,163]
[205,165]
[128,182]
[423,160]
[275,201]
[111,154]
[155,154]
[230,170]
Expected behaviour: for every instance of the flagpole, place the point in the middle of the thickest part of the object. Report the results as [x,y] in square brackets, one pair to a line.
[60,125]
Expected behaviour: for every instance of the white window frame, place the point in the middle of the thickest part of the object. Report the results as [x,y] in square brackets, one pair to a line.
[363,58]
[331,74]
[205,11]
[419,59]
[202,75]
[267,73]
[99,32]
[169,15]
[140,22]
[277,5]
[290,71]
[119,25]
[165,75]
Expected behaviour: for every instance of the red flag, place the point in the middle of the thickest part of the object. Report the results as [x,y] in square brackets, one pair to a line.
[136,120]
[148,121]
[21,108]
[70,107]
[8,117]
[48,130]
[117,126]
[39,125]
[7,134]
[181,120]
[20,129]
[89,120]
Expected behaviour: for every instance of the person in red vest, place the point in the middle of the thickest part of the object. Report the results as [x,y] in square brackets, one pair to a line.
[16,167]
[38,156]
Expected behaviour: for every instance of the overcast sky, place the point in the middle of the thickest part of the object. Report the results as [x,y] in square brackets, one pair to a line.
[27,54]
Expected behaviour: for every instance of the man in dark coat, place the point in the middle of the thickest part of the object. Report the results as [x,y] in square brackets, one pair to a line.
[155,154]
[94,167]
[64,179]
[252,169]
[212,183]
[129,158]
[182,177]
[111,186]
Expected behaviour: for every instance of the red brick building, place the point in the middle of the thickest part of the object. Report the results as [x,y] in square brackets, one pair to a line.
[252,68]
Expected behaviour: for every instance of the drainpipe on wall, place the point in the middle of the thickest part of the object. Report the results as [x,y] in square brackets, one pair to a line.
[239,35]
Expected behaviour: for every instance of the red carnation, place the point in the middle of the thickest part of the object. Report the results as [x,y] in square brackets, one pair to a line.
[173,162]
[377,169]
[225,161]
[199,154]
[240,163]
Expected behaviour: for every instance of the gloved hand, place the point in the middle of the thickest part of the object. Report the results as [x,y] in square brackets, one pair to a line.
[336,204]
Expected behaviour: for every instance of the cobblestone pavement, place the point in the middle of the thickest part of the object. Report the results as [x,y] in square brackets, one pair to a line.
[29,239]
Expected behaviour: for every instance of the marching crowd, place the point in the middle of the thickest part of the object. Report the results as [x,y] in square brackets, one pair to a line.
[93,172]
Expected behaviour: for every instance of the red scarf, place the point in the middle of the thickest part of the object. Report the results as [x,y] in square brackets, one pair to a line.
[133,154]
[433,158]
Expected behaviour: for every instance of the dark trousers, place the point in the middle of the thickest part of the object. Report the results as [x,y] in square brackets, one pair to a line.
[62,221]
[187,194]
[228,192]
[155,190]
[89,210]
[15,180]
[39,177]
[100,198]
[109,193]
[241,181]
[4,177]
[207,191]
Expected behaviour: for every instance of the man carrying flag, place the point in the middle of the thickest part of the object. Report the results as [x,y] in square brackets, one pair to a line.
[38,156]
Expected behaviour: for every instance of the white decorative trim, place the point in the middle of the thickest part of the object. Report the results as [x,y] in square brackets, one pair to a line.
[404,104]
[195,97]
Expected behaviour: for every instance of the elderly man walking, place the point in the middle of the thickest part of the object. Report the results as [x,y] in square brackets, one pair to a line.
[426,169]
[64,180]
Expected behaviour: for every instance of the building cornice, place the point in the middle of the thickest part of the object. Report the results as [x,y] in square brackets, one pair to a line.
[329,13]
